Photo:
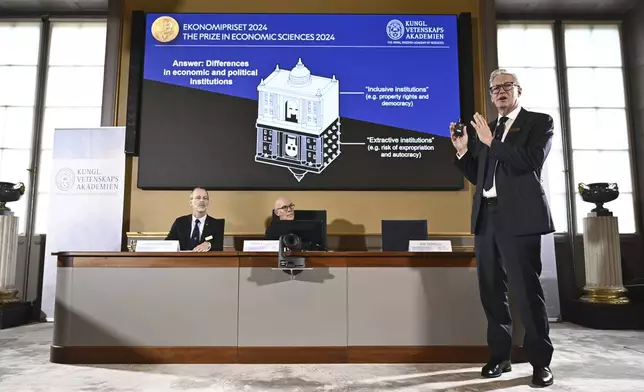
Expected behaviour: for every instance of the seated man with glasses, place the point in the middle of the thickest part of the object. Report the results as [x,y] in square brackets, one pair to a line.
[198,231]
[284,209]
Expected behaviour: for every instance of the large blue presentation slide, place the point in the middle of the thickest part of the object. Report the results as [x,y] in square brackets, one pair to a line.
[299,101]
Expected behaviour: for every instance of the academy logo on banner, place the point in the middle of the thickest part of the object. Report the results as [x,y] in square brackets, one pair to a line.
[88,181]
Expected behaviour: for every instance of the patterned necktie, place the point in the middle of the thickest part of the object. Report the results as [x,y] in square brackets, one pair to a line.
[491,160]
[194,239]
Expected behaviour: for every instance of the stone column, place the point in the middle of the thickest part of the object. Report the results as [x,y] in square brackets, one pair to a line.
[8,257]
[603,261]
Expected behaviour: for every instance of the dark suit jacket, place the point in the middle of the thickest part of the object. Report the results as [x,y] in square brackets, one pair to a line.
[182,228]
[270,234]
[522,204]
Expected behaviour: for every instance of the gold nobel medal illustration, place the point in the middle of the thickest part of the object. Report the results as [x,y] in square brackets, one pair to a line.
[165,29]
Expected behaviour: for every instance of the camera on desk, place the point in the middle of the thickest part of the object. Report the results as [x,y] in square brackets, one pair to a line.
[291,243]
[297,236]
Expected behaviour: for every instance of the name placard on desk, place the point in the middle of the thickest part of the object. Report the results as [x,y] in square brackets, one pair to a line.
[157,246]
[430,246]
[261,246]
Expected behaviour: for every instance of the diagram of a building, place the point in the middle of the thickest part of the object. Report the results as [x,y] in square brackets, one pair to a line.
[298,122]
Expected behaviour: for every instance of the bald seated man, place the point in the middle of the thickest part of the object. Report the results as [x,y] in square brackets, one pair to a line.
[198,231]
[284,209]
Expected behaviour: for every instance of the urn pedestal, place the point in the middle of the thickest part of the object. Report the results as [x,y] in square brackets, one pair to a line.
[602,254]
[8,257]
[603,262]
[13,311]
[604,304]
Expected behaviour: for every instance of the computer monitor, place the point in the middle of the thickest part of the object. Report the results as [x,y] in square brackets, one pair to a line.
[314,215]
[396,234]
[310,232]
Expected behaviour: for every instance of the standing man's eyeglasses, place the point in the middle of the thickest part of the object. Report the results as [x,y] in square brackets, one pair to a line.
[505,86]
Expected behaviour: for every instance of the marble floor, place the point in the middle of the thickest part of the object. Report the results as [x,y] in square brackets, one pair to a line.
[585,361]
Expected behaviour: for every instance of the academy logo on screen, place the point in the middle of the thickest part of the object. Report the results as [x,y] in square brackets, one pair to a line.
[165,29]
[395,29]
[414,32]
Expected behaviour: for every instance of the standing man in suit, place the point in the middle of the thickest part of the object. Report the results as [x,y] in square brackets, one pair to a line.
[198,231]
[510,213]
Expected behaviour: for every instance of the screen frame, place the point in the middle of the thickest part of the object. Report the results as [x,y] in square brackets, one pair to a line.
[465,55]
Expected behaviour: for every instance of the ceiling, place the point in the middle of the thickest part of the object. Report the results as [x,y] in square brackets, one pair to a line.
[564,6]
[502,6]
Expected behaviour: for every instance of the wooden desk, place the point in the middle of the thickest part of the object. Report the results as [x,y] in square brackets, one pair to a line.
[235,307]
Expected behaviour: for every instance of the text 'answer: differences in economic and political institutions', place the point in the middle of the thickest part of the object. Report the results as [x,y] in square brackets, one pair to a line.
[217,72]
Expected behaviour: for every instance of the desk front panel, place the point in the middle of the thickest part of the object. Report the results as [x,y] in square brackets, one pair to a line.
[226,307]
[391,306]
[308,310]
[146,307]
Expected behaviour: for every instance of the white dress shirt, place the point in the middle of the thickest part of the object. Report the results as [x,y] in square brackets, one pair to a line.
[202,223]
[508,124]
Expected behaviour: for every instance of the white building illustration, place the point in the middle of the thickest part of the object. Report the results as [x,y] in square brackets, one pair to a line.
[298,122]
